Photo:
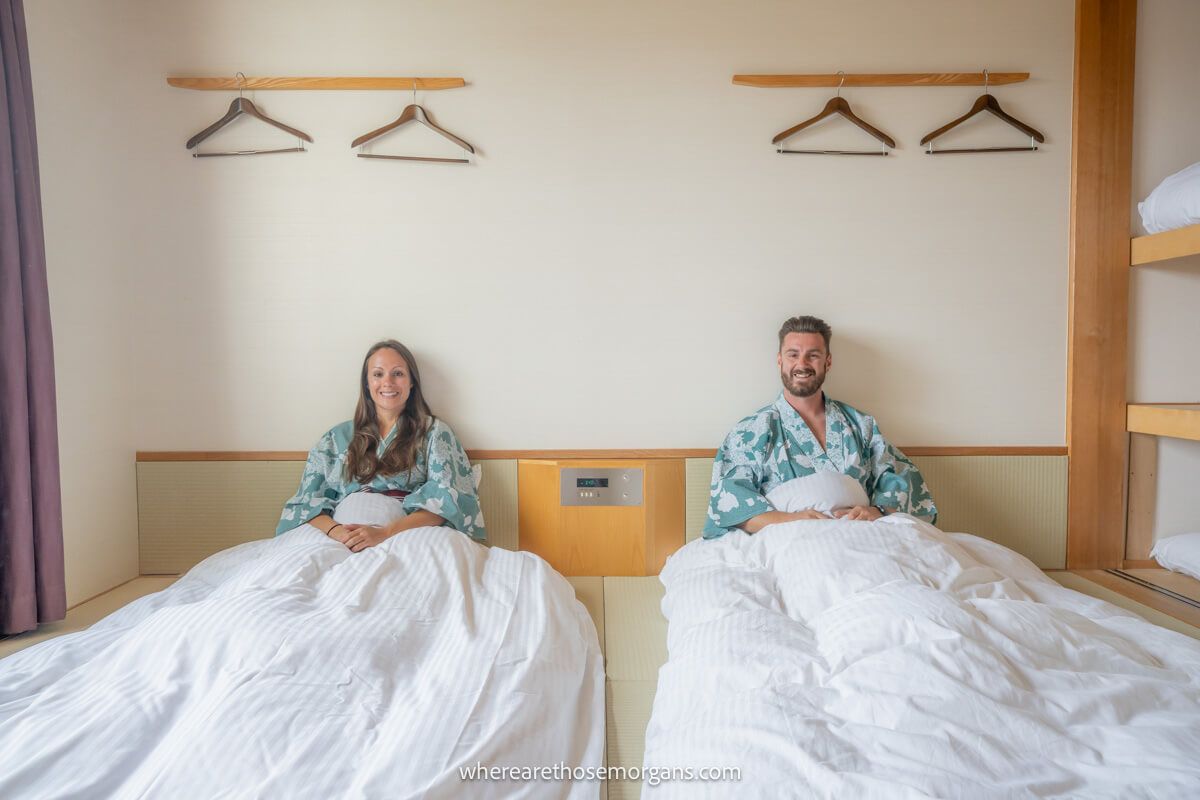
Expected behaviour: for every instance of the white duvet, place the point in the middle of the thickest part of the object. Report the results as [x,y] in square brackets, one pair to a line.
[290,668]
[889,659]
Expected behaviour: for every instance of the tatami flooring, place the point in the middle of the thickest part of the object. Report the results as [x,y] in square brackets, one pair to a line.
[88,613]
[633,635]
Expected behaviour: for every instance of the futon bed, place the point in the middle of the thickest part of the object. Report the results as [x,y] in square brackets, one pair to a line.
[291,668]
[826,658]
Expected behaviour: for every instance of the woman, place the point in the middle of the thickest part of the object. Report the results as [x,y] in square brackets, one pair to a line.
[394,445]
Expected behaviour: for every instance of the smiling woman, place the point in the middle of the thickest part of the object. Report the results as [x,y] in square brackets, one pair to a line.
[394,446]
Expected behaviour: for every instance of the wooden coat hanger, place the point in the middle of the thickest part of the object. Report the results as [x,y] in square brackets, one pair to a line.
[237,108]
[414,113]
[837,105]
[985,102]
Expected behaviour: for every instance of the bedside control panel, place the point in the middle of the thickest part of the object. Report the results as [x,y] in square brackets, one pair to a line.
[596,486]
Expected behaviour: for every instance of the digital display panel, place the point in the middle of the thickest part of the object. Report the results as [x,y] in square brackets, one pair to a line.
[591,483]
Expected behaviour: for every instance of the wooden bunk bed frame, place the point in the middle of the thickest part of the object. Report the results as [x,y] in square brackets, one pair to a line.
[1110,515]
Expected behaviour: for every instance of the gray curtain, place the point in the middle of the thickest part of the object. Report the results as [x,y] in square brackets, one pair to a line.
[31,548]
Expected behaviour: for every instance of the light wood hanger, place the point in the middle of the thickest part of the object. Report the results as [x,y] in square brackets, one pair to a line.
[237,108]
[837,105]
[414,113]
[985,102]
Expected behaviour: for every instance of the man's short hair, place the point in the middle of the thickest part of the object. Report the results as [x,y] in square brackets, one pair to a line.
[806,324]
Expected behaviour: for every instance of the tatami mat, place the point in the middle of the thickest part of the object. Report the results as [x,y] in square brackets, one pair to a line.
[698,472]
[87,614]
[1081,584]
[635,633]
[635,629]
[590,591]
[629,706]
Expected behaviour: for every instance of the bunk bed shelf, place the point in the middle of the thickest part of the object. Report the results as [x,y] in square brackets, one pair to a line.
[1178,421]
[1163,246]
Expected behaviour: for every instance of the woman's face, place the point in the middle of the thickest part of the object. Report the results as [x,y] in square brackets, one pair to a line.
[389,381]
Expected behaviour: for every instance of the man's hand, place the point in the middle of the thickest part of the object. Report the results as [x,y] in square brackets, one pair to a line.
[756,524]
[865,513]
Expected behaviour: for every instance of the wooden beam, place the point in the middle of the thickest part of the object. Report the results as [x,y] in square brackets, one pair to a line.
[1098,312]
[880,79]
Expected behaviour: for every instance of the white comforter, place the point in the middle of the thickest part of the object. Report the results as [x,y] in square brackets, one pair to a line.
[290,668]
[889,659]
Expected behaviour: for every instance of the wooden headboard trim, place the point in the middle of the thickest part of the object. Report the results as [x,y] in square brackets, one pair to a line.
[489,455]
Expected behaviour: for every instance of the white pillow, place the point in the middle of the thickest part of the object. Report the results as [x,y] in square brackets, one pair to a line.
[1180,553]
[821,491]
[368,508]
[1174,203]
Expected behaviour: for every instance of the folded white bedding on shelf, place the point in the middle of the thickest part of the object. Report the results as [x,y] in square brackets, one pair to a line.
[1174,203]
[890,659]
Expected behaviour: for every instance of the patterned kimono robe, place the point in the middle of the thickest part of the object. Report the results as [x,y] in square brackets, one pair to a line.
[775,445]
[440,481]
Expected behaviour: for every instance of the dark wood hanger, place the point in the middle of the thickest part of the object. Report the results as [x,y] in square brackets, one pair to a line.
[985,102]
[237,108]
[836,105]
[414,113]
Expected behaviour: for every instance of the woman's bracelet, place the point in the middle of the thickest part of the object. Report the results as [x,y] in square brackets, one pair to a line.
[331,527]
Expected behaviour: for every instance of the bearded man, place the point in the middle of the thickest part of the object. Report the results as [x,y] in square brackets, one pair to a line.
[804,432]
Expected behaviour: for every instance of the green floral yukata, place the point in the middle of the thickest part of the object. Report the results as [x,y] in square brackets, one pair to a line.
[440,481]
[775,445]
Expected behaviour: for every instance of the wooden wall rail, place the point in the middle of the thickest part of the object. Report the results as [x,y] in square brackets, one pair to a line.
[493,455]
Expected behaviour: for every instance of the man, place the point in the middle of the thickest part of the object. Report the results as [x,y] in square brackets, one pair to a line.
[804,432]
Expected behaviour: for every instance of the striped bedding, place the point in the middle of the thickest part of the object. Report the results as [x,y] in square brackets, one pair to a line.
[889,659]
[290,668]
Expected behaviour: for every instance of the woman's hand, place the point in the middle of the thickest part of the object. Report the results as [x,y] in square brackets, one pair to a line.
[360,537]
[865,513]
[339,533]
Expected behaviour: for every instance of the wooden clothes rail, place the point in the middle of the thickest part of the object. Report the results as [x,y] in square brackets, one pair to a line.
[383,83]
[880,79]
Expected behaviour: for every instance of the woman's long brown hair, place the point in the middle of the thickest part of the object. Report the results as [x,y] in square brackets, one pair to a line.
[362,461]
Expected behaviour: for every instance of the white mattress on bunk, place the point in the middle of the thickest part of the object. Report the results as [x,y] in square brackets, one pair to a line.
[290,668]
[889,659]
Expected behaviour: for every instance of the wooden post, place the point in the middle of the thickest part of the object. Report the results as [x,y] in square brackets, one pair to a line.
[1097,326]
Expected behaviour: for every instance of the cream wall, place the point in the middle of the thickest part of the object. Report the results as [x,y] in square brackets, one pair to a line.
[611,271]
[95,211]
[1164,324]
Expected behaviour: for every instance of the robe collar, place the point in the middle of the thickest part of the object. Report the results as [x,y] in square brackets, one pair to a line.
[787,412]
[387,440]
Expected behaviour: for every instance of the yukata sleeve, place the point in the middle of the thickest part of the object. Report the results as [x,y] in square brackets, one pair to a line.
[898,483]
[317,494]
[737,478]
[449,490]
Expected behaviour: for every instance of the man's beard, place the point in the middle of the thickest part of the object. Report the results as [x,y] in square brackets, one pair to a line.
[802,387]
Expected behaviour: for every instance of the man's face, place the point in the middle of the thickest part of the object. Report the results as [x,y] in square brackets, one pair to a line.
[803,363]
